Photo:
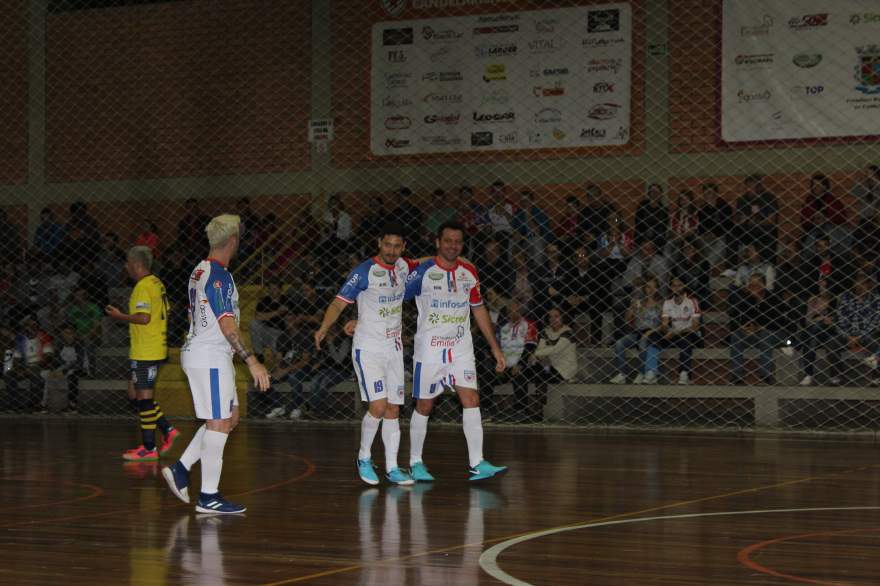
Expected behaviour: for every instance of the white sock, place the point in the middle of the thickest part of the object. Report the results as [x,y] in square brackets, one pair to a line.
[472,422]
[369,428]
[391,439]
[418,429]
[193,451]
[213,443]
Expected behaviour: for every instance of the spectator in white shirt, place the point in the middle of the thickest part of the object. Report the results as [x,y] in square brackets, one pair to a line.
[679,328]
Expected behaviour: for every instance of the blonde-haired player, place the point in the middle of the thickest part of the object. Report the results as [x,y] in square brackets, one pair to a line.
[206,358]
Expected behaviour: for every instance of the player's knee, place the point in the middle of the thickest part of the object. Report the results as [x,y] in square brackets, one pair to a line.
[469,399]
[392,411]
[424,406]
[378,409]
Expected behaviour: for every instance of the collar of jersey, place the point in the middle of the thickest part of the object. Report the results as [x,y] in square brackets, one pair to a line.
[209,259]
[379,262]
[442,268]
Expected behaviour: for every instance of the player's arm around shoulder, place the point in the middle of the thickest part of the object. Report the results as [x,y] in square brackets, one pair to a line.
[233,336]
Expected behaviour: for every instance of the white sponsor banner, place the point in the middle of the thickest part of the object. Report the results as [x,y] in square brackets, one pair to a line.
[516,80]
[800,69]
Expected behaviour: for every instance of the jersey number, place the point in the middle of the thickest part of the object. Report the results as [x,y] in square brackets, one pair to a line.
[378,386]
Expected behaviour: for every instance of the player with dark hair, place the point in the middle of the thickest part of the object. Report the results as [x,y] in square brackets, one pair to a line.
[377,285]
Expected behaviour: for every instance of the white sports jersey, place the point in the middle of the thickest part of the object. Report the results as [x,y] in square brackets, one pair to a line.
[444,298]
[212,295]
[681,315]
[378,289]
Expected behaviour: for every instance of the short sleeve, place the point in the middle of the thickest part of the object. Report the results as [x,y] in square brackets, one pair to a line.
[476,298]
[356,282]
[532,333]
[219,289]
[140,299]
[665,311]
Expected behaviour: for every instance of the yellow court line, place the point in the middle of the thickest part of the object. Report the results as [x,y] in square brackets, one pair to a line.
[599,520]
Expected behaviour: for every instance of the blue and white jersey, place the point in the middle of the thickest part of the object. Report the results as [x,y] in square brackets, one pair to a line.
[444,298]
[212,296]
[378,290]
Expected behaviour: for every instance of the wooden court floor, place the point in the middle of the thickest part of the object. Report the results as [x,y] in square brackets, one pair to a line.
[577,508]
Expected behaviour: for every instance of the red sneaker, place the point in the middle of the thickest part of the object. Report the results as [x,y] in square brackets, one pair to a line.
[169,442]
[141,454]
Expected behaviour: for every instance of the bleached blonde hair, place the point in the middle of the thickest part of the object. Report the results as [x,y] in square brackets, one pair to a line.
[222,228]
[142,255]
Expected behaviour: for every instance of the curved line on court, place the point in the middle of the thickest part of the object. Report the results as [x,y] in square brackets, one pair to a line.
[744,555]
[358,566]
[310,469]
[489,558]
[96,491]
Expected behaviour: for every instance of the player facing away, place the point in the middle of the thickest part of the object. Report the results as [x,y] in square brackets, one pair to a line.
[206,358]
[377,286]
[447,291]
[147,320]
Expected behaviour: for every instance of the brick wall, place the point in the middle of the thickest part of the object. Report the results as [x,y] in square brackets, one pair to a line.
[13,92]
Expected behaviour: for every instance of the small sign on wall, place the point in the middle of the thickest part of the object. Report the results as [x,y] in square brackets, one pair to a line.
[321,130]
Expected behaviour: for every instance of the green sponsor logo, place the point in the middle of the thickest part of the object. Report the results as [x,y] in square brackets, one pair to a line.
[434,318]
[807,60]
[379,273]
[389,311]
[435,276]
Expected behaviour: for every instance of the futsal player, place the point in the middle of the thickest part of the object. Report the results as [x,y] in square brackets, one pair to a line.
[377,286]
[447,292]
[147,320]
[206,358]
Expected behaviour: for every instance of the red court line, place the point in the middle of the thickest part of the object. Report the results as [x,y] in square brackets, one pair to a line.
[744,555]
[310,469]
[96,492]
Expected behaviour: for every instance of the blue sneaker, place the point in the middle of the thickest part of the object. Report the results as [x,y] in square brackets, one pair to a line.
[399,477]
[485,470]
[215,503]
[419,472]
[367,472]
[177,477]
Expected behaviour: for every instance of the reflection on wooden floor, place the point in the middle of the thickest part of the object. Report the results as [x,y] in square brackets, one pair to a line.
[620,508]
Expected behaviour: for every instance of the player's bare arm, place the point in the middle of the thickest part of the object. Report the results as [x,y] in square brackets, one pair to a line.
[484,322]
[233,336]
[140,319]
[334,310]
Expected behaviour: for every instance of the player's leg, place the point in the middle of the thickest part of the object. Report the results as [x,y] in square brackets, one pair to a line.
[426,388]
[391,420]
[370,374]
[464,377]
[144,375]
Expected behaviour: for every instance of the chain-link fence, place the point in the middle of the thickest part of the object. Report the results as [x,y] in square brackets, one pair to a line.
[672,205]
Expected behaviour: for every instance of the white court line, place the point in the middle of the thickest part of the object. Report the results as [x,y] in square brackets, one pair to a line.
[489,558]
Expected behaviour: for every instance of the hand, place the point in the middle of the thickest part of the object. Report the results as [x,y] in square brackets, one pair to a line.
[515,370]
[319,337]
[553,292]
[350,327]
[113,312]
[260,374]
[498,355]
[669,335]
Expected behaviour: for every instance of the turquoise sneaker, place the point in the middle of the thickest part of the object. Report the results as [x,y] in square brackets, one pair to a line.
[485,470]
[399,477]
[419,472]
[367,472]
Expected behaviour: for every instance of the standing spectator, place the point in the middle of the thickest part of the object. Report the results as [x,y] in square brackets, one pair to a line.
[251,222]
[595,216]
[497,272]
[33,358]
[823,214]
[372,223]
[441,211]
[337,224]
[652,218]
[268,323]
[72,362]
[716,227]
[408,215]
[819,330]
[755,320]
[586,292]
[82,237]
[191,228]
[85,316]
[643,319]
[867,238]
[754,264]
[331,366]
[176,272]
[568,226]
[857,322]
[532,225]
[149,237]
[694,271]
[476,216]
[684,223]
[49,233]
[554,361]
[294,349]
[679,328]
[866,191]
[518,338]
[757,217]
[108,267]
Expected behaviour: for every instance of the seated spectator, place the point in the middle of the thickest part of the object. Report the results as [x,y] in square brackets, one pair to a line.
[518,338]
[585,291]
[295,367]
[824,264]
[306,307]
[330,366]
[86,317]
[818,331]
[823,214]
[441,212]
[554,361]
[31,362]
[643,320]
[867,237]
[866,191]
[694,271]
[476,218]
[679,328]
[63,280]
[596,216]
[495,303]
[523,290]
[856,327]
[646,262]
[754,317]
[684,223]
[7,344]
[753,264]
[716,227]
[549,278]
[757,217]
[337,224]
[149,236]
[532,225]
[109,267]
[496,271]
[268,322]
[616,245]
[49,233]
[568,226]
[652,218]
[71,362]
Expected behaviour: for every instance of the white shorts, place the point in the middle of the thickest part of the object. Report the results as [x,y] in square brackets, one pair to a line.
[213,390]
[430,379]
[379,375]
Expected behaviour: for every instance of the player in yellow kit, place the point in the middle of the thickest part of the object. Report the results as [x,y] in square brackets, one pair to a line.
[147,319]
